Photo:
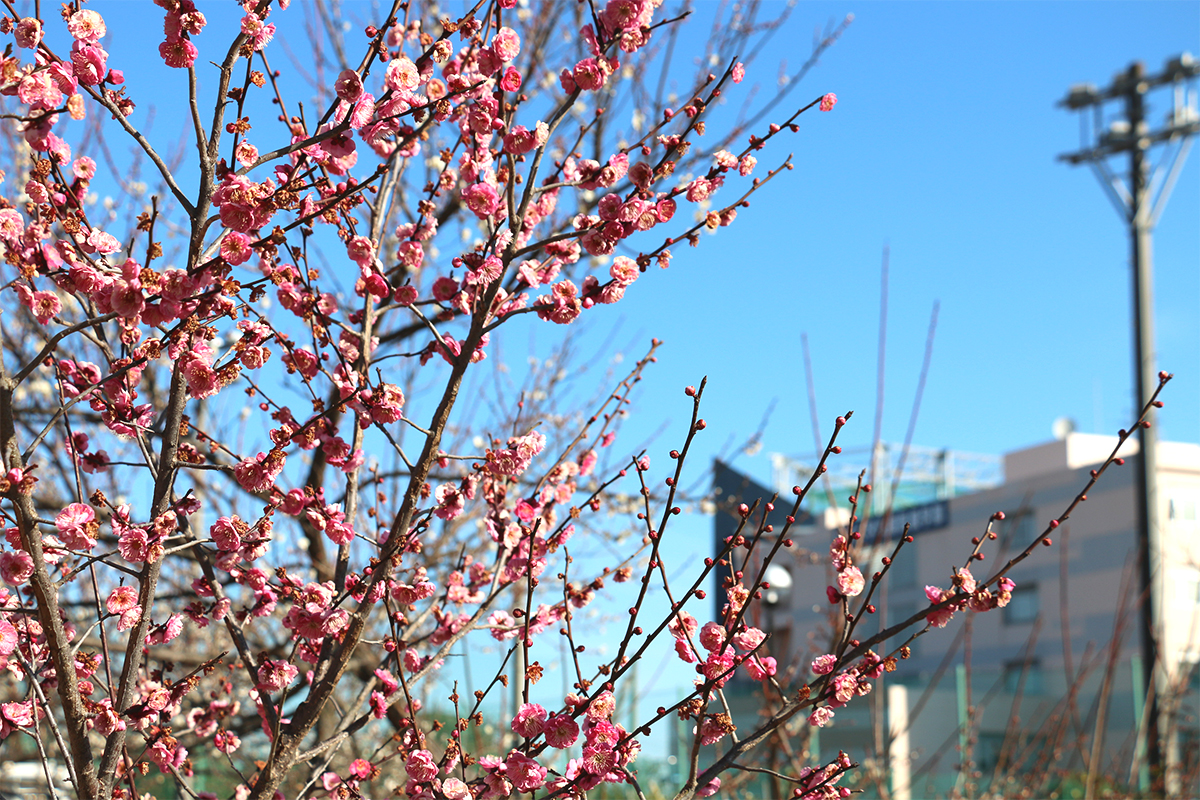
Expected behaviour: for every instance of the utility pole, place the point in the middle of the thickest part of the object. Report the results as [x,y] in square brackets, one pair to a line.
[1140,203]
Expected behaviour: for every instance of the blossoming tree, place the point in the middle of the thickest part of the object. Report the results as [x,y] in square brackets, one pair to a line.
[199,556]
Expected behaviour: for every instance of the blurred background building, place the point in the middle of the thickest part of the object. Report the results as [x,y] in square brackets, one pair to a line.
[27,779]
[1036,695]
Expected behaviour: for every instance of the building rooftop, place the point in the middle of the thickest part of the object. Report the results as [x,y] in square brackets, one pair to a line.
[1078,450]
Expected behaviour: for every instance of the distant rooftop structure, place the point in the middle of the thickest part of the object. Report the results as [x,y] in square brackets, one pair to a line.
[1084,449]
[927,474]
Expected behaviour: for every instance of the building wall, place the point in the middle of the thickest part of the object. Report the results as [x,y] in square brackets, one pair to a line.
[1073,622]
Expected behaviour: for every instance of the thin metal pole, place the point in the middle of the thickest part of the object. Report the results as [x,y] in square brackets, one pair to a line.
[1139,774]
[1149,532]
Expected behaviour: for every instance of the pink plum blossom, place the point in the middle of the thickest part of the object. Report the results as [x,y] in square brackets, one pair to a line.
[820,716]
[529,721]
[824,664]
[421,766]
[850,581]
[16,568]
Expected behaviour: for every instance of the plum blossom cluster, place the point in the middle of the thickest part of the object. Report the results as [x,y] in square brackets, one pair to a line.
[837,683]
[725,652]
[607,748]
[966,593]
[850,580]
[254,500]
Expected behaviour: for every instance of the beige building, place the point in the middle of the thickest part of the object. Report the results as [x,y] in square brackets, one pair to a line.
[1030,695]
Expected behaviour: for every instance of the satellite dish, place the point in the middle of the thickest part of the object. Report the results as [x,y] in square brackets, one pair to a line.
[778,577]
[781,584]
[1063,427]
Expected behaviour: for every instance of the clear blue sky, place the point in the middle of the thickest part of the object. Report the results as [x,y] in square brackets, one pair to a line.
[943,146]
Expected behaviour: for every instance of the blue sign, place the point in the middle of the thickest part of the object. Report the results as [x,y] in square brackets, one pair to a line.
[928,517]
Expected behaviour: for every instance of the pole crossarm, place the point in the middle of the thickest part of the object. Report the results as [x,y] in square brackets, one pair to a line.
[1127,143]
[1181,68]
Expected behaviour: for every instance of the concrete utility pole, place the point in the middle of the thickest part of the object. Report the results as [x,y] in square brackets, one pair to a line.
[1140,203]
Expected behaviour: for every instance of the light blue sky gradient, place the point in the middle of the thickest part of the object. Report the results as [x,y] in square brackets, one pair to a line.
[942,146]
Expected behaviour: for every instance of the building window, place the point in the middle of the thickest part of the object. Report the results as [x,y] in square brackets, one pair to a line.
[900,611]
[1017,530]
[987,751]
[1032,672]
[1023,607]
[1182,509]
[903,572]
[1187,587]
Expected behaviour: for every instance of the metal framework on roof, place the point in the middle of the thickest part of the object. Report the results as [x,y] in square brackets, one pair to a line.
[902,477]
